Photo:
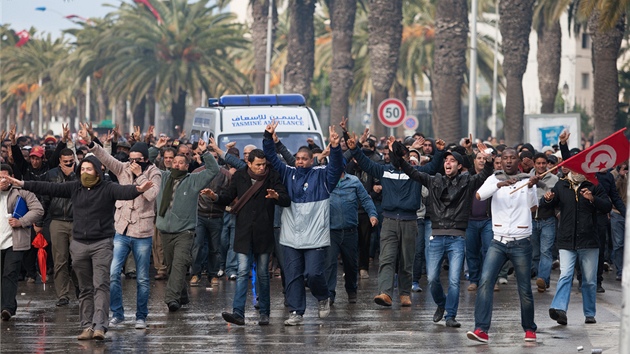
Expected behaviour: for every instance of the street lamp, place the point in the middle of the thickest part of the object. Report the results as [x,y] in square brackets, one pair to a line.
[565,96]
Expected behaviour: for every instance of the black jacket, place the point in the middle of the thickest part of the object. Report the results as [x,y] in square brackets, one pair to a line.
[58,208]
[607,182]
[449,200]
[254,222]
[578,216]
[93,208]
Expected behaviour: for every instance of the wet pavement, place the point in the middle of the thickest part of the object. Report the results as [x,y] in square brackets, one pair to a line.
[364,327]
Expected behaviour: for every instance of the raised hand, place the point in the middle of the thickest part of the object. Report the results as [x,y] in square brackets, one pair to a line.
[65,136]
[84,133]
[12,135]
[136,135]
[272,194]
[326,152]
[3,135]
[352,142]
[89,128]
[209,193]
[440,144]
[202,146]
[468,143]
[484,151]
[116,132]
[144,186]
[344,124]
[271,127]
[390,142]
[149,136]
[333,136]
[418,143]
[310,141]
[364,137]
[161,142]
[564,137]
[230,145]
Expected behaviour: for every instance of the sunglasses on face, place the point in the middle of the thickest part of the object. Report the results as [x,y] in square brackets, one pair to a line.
[136,159]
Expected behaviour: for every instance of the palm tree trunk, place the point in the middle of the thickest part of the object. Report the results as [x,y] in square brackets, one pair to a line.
[260,11]
[606,45]
[178,110]
[385,29]
[515,25]
[342,15]
[548,57]
[102,103]
[121,117]
[301,48]
[139,112]
[449,67]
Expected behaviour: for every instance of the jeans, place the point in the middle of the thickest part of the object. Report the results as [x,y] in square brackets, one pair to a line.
[588,263]
[301,263]
[618,230]
[453,247]
[398,242]
[262,282]
[478,238]
[208,229]
[543,237]
[419,260]
[228,257]
[141,250]
[344,242]
[11,264]
[520,253]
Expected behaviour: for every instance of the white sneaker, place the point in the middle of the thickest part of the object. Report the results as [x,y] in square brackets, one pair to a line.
[115,322]
[324,308]
[294,319]
[503,281]
[141,324]
[220,273]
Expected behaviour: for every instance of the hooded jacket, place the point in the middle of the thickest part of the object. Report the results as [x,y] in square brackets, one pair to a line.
[93,208]
[22,235]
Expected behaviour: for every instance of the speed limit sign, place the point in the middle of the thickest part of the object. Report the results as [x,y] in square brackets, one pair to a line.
[392,112]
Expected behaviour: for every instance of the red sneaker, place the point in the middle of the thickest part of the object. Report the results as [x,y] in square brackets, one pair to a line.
[530,336]
[479,335]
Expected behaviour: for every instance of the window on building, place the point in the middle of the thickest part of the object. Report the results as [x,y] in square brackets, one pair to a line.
[586,41]
[586,78]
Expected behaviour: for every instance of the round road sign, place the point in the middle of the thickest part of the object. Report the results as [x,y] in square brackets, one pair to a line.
[391,112]
[411,123]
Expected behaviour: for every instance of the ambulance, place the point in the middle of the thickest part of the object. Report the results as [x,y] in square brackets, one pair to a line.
[243,118]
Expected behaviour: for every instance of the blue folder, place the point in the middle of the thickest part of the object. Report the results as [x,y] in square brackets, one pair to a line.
[20,208]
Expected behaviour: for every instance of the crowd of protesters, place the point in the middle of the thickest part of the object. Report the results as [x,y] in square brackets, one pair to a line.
[111,205]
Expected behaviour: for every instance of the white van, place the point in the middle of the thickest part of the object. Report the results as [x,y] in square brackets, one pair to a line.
[243,118]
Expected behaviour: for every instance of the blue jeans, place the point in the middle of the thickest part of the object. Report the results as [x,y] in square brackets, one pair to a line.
[208,229]
[543,237]
[588,263]
[478,238]
[453,247]
[520,253]
[242,280]
[346,243]
[420,259]
[301,263]
[618,230]
[228,260]
[141,249]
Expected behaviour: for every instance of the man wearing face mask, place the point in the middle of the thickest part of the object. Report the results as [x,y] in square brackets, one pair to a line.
[59,212]
[134,226]
[93,202]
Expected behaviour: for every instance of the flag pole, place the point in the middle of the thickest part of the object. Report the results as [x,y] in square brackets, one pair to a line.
[542,175]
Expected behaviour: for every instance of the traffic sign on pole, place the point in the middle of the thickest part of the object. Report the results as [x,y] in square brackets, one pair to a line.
[392,112]
[411,123]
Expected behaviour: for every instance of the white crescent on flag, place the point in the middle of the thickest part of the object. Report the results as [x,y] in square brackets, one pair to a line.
[600,158]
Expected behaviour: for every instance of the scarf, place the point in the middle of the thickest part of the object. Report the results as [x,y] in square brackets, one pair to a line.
[167,195]
[88,180]
[575,179]
[260,180]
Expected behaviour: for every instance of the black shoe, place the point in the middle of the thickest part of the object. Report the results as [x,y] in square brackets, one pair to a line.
[130,275]
[6,315]
[234,318]
[174,306]
[352,298]
[558,316]
[600,289]
[264,320]
[62,302]
[618,278]
[451,322]
[184,301]
[439,313]
[590,319]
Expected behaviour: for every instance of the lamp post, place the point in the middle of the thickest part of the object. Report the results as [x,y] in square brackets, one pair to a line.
[565,96]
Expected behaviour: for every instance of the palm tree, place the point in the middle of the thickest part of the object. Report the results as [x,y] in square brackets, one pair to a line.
[260,11]
[449,67]
[606,23]
[298,72]
[342,16]
[385,35]
[189,50]
[515,25]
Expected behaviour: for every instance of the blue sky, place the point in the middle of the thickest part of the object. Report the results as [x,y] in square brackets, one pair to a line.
[21,14]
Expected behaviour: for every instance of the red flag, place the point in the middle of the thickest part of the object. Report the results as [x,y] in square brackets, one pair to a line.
[602,156]
[40,242]
[151,8]
[24,37]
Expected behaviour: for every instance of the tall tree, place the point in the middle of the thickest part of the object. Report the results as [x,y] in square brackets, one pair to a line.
[547,25]
[385,28]
[342,15]
[260,13]
[449,67]
[300,48]
[515,25]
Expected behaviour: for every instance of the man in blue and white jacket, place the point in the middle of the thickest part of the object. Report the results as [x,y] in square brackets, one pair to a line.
[305,233]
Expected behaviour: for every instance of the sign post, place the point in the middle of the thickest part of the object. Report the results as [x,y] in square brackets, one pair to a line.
[391,113]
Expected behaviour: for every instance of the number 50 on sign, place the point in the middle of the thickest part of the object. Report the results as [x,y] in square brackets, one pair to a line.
[392,112]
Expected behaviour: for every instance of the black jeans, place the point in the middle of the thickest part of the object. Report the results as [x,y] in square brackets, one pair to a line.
[10,266]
